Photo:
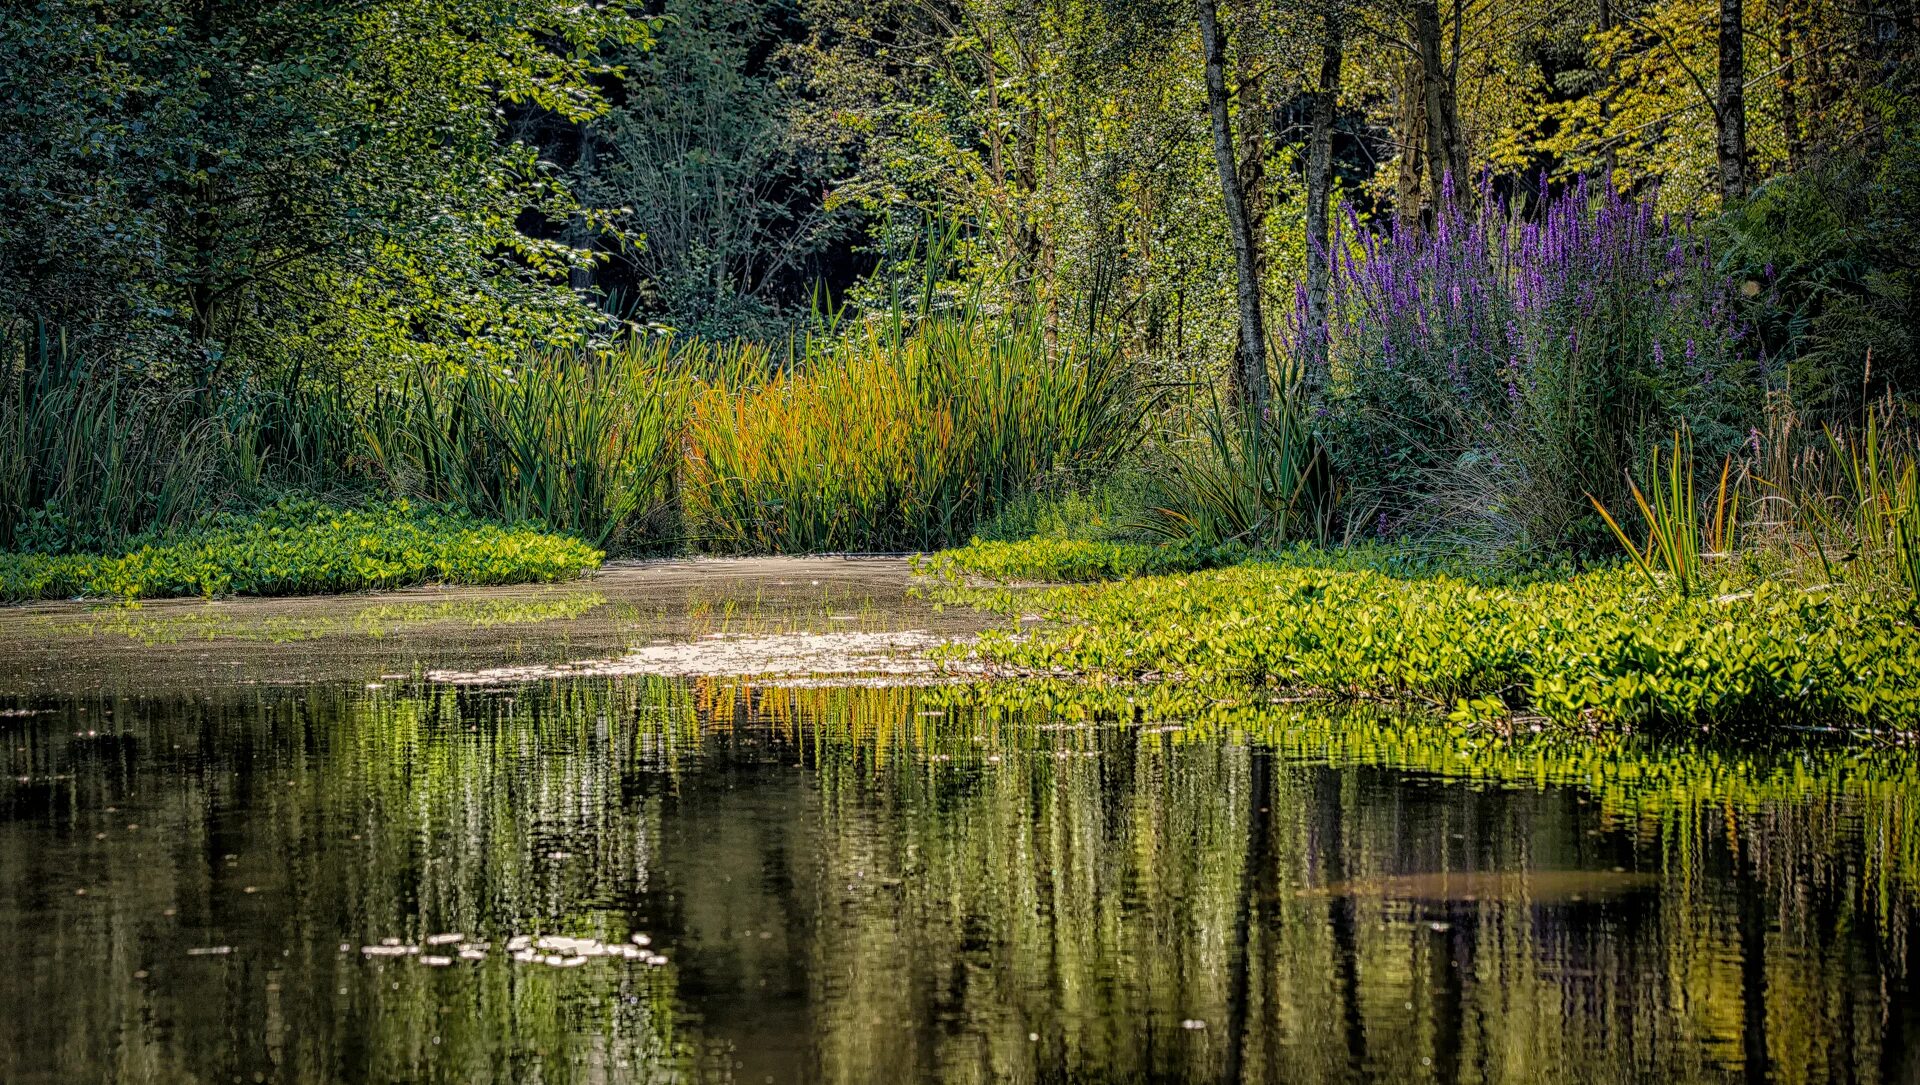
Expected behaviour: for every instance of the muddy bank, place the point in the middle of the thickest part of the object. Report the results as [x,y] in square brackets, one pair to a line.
[778,615]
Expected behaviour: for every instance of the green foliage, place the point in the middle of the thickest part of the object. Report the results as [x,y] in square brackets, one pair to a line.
[1110,508]
[1244,479]
[1828,256]
[1595,647]
[298,547]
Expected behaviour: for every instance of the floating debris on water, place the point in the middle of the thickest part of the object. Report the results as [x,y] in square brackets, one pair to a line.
[554,950]
[1193,1024]
[209,951]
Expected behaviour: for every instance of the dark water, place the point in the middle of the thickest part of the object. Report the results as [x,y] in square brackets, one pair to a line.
[849,887]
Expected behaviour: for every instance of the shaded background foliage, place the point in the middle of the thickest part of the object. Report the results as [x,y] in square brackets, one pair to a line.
[264,220]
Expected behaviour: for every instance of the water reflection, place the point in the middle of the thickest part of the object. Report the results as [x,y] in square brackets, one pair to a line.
[858,885]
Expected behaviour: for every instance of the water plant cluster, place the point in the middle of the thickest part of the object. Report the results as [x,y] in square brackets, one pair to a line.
[302,547]
[1604,647]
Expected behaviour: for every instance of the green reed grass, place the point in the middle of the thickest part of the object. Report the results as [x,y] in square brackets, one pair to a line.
[1871,520]
[1243,478]
[1680,541]
[583,441]
[91,455]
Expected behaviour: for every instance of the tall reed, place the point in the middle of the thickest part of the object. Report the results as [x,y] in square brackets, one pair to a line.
[93,454]
[1870,521]
[583,441]
[900,432]
[1681,543]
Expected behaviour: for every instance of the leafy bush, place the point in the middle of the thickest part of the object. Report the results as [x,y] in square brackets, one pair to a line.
[1826,257]
[1599,647]
[299,547]
[1487,375]
[1110,508]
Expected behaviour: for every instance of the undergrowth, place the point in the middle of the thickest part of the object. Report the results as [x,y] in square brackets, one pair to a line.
[300,547]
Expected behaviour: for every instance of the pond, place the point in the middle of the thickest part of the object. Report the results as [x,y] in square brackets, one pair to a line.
[635,874]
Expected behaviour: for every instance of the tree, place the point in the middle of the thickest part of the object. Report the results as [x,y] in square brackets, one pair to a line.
[1730,108]
[266,186]
[699,160]
[1320,187]
[1250,371]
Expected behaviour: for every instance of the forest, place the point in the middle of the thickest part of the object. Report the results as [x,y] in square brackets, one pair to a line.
[1589,316]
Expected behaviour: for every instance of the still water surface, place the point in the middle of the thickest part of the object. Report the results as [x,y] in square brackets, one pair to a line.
[880,885]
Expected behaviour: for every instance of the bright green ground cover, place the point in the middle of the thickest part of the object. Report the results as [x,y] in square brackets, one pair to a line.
[1598,647]
[1066,561]
[302,548]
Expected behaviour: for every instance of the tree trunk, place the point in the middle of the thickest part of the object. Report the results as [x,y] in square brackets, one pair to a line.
[1410,133]
[1789,90]
[1250,370]
[1446,153]
[1609,155]
[579,235]
[1250,92]
[1319,196]
[1731,109]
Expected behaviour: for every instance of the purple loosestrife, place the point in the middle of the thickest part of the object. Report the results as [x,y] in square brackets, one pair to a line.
[1521,359]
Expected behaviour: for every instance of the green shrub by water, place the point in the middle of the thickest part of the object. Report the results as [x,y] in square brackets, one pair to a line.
[1598,647]
[299,547]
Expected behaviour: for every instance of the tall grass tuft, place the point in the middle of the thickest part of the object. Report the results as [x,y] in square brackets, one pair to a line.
[1680,542]
[583,441]
[1871,519]
[91,455]
[1242,478]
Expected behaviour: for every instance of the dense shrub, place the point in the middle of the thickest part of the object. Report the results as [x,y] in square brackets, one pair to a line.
[1487,374]
[1827,260]
[298,547]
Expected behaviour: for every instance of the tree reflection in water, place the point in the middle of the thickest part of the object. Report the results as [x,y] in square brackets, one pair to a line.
[879,884]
